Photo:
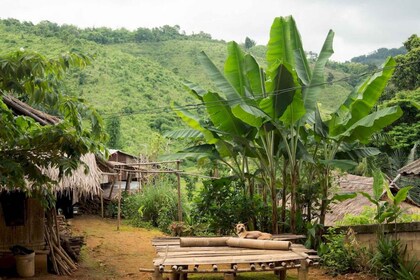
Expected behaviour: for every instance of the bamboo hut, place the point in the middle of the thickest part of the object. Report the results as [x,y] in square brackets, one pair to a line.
[22,218]
[352,183]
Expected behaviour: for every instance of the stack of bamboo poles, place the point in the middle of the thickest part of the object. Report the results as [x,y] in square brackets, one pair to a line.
[61,262]
[71,244]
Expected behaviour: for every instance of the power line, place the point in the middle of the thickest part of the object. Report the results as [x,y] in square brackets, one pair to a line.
[165,109]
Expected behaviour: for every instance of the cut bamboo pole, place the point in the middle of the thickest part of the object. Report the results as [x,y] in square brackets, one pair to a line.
[202,241]
[259,244]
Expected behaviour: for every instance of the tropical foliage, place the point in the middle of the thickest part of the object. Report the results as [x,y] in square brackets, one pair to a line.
[267,122]
[27,147]
[136,81]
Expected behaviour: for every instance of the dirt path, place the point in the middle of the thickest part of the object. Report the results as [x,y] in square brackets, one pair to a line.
[112,254]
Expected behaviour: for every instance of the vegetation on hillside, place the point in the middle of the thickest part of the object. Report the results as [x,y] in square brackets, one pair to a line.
[135,80]
[28,147]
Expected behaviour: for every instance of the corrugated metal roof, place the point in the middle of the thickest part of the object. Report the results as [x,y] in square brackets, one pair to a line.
[411,169]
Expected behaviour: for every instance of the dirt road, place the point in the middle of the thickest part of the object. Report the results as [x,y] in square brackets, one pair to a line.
[112,254]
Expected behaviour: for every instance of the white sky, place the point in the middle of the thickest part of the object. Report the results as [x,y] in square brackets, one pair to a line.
[361,26]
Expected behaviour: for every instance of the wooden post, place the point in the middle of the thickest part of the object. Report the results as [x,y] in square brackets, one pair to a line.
[179,192]
[282,274]
[303,270]
[157,275]
[128,182]
[139,179]
[229,276]
[112,186]
[119,200]
[102,203]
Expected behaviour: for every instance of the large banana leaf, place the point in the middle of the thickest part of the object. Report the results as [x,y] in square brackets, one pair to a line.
[295,111]
[243,73]
[195,152]
[283,89]
[184,134]
[364,128]
[255,76]
[194,122]
[249,114]
[313,87]
[221,115]
[281,47]
[356,152]
[360,102]
[195,90]
[235,68]
[220,81]
[283,84]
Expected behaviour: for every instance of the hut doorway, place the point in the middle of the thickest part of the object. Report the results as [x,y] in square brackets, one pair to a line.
[65,203]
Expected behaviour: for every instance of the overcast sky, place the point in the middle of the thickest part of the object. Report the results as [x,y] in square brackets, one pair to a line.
[361,26]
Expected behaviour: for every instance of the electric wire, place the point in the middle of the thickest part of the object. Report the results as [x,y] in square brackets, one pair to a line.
[213,104]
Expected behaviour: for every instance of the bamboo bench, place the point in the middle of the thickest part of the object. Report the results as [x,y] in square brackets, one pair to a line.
[178,261]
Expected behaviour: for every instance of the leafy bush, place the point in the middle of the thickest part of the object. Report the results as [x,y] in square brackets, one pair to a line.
[222,203]
[156,205]
[337,255]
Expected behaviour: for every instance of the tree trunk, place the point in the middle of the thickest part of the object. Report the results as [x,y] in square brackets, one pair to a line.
[293,198]
[283,198]
[324,196]
[274,226]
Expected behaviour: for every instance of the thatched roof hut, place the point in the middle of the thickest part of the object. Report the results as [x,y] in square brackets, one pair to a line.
[22,218]
[80,182]
[411,169]
[352,183]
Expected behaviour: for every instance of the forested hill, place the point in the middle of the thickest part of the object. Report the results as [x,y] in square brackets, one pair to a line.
[135,75]
[377,57]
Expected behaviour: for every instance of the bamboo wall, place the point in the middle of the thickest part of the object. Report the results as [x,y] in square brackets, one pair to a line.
[30,235]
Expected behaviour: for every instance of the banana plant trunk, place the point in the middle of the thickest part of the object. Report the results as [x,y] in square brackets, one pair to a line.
[283,197]
[275,217]
[293,198]
[324,196]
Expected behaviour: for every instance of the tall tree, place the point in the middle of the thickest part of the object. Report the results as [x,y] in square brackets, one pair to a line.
[249,43]
[407,76]
[113,128]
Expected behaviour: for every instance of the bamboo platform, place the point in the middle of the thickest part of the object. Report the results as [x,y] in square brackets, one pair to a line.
[178,261]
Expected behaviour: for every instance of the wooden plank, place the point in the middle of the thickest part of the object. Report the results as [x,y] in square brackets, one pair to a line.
[222,253]
[227,259]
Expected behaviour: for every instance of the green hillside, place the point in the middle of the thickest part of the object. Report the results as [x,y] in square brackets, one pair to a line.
[136,78]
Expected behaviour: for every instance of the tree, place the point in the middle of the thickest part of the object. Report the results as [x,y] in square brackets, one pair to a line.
[27,147]
[249,43]
[407,76]
[113,128]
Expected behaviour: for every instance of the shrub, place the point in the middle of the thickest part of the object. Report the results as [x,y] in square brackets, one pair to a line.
[337,255]
[222,203]
[388,263]
[156,206]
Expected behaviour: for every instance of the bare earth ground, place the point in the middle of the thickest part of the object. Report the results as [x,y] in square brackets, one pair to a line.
[112,254]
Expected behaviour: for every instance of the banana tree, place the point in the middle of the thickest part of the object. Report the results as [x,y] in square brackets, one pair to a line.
[355,121]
